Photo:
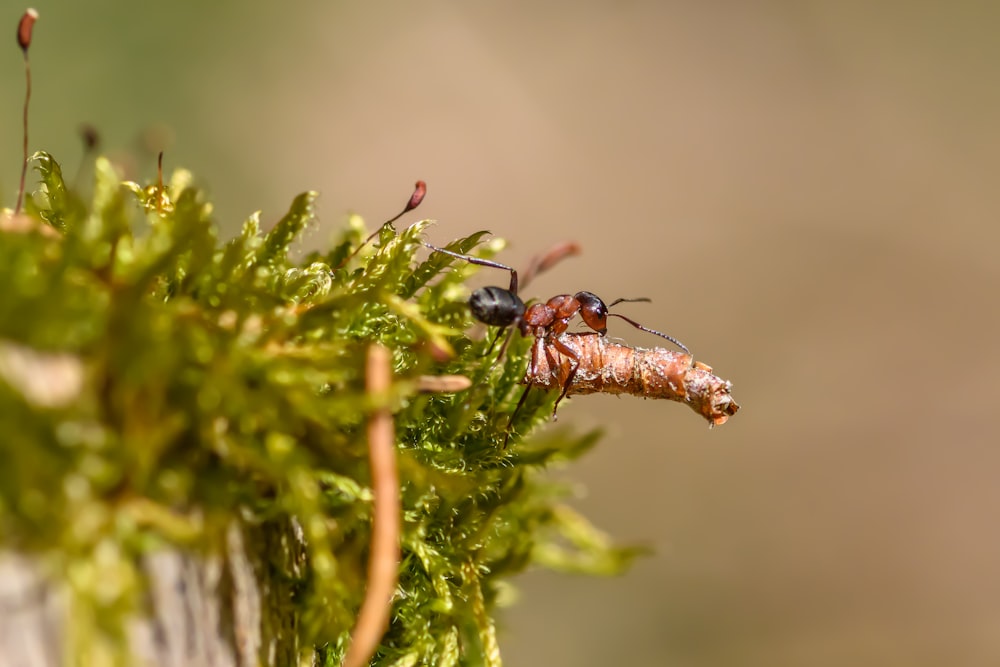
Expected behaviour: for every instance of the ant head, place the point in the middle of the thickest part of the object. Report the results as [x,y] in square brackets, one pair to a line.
[593,311]
[496,306]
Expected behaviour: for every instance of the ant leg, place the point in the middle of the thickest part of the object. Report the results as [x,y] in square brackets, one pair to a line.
[653,331]
[566,351]
[503,348]
[510,422]
[533,371]
[481,262]
[494,344]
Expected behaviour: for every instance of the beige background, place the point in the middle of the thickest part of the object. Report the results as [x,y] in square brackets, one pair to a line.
[808,192]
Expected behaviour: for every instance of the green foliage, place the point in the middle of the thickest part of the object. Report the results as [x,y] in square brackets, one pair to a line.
[157,385]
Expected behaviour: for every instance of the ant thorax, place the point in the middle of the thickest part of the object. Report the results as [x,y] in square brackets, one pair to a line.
[552,317]
[537,320]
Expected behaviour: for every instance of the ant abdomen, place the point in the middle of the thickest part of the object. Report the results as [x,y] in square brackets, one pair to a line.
[496,306]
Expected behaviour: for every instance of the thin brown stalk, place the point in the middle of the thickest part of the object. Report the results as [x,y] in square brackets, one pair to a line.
[24,30]
[419,192]
[548,259]
[384,554]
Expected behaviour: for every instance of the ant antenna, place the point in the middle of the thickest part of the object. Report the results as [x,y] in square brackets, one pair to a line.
[642,328]
[648,330]
[419,191]
[643,299]
[481,262]
[24,41]
[510,420]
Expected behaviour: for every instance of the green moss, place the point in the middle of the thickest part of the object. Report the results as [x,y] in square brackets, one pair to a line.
[223,381]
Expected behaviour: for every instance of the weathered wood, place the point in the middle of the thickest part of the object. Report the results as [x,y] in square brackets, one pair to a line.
[203,610]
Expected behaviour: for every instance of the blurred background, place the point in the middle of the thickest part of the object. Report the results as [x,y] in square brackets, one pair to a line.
[806,190]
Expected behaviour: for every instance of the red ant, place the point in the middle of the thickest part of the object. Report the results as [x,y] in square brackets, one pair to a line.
[496,306]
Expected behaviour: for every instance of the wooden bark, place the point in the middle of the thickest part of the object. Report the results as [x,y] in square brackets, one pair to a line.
[221,610]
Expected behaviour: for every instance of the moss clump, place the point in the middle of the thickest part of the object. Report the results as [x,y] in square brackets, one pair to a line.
[157,385]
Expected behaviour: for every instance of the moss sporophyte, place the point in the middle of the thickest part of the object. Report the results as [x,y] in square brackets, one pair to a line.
[159,386]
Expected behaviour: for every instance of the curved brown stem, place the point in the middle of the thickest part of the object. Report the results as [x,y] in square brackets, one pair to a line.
[383,559]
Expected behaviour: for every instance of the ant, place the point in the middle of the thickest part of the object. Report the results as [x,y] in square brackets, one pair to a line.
[496,306]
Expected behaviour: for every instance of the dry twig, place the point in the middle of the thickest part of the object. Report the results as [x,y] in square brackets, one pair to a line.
[612,368]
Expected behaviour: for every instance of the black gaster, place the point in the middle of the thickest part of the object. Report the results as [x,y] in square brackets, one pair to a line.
[496,306]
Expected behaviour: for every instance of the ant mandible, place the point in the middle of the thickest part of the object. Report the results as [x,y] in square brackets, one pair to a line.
[496,306]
